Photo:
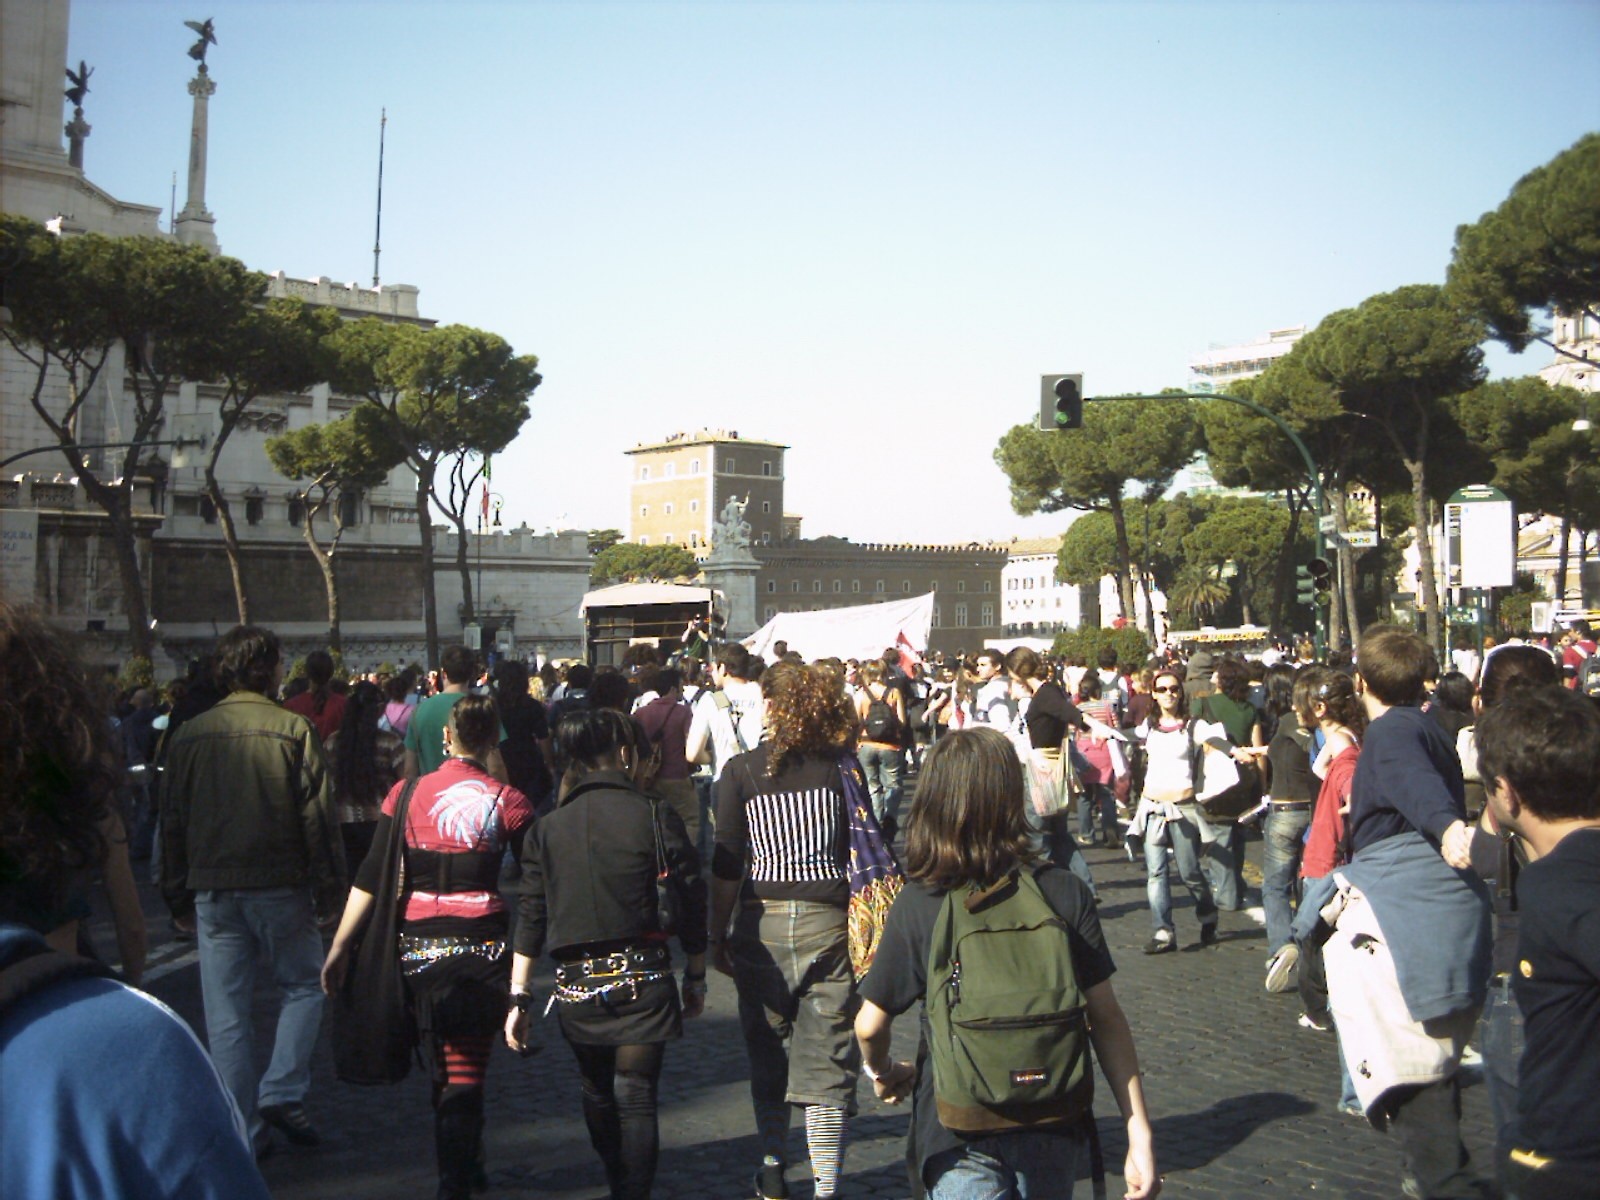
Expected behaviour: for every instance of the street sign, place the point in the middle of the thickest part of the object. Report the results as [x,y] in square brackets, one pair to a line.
[1327,523]
[1361,539]
[1480,538]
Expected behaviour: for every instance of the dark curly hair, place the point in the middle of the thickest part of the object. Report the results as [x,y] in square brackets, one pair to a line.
[807,713]
[60,769]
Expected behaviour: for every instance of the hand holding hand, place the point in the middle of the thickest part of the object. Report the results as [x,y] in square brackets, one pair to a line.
[894,1084]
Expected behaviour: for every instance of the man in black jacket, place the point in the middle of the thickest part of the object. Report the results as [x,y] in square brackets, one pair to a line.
[251,845]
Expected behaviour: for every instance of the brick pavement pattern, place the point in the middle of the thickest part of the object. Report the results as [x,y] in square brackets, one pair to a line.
[1242,1098]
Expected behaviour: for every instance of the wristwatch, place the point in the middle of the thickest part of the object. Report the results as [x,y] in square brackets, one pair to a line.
[522,1001]
[870,1073]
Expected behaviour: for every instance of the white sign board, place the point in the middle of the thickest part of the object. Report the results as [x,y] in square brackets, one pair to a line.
[1361,538]
[1480,539]
[19,554]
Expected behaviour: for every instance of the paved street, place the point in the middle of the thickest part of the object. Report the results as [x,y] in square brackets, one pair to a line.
[1242,1097]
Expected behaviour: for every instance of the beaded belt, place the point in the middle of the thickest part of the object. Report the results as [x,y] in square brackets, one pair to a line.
[1290,805]
[418,953]
[599,976]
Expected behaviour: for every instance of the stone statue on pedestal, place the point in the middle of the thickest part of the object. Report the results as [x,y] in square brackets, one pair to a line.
[731,534]
[208,37]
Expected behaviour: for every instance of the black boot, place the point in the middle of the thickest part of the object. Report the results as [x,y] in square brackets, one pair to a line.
[457,1130]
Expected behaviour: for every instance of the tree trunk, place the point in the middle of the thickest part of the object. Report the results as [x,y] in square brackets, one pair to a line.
[430,610]
[118,505]
[1284,576]
[230,538]
[468,611]
[1149,606]
[330,582]
[1119,521]
[1335,498]
[1345,579]
[1563,552]
[1428,586]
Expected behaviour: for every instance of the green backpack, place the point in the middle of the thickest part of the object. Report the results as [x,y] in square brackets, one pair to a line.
[1008,1033]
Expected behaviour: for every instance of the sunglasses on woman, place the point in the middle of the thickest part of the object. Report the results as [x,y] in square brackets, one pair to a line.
[1170,691]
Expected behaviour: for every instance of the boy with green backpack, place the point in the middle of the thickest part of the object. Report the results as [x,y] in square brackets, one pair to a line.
[1007,956]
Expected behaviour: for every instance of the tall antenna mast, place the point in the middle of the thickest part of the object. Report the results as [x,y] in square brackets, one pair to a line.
[172,213]
[377,233]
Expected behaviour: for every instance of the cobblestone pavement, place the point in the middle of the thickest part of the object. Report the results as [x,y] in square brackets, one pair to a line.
[1243,1099]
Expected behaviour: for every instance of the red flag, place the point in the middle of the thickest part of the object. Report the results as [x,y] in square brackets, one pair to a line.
[483,512]
[909,657]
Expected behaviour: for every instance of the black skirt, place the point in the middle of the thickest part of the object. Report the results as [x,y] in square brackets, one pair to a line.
[622,1018]
[463,994]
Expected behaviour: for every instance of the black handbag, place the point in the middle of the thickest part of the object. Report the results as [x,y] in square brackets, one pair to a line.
[374,1028]
[668,902]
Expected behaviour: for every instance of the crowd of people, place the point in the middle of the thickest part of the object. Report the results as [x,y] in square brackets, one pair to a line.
[1430,878]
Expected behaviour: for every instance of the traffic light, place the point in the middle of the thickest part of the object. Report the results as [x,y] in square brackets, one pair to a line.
[1313,581]
[1060,402]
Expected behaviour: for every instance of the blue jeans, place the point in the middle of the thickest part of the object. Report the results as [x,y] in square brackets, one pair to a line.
[1008,1166]
[1283,842]
[1096,796]
[235,928]
[1184,835]
[1502,1034]
[1219,847]
[884,768]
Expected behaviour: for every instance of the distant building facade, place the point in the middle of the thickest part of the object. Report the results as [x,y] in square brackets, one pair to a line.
[1222,365]
[1034,603]
[679,486]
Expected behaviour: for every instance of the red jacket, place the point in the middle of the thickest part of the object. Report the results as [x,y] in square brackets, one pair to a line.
[1325,843]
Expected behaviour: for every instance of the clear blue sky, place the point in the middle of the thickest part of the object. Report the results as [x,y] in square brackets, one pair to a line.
[861,229]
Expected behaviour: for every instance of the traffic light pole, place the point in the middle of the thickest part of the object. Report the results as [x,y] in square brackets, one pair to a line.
[1320,638]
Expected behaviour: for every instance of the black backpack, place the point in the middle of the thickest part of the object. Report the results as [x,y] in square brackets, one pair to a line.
[881,724]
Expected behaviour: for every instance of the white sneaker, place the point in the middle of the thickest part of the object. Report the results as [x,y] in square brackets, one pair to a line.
[1283,962]
[1257,914]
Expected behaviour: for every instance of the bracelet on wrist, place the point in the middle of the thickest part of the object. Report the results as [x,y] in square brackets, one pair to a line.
[522,1001]
[875,1076]
[691,977]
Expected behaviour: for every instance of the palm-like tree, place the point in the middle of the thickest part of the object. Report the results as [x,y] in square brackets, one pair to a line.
[1198,591]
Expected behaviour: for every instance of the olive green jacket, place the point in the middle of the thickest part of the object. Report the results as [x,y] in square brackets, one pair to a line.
[247,802]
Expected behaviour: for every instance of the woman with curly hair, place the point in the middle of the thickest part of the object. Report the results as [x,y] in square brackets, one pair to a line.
[781,881]
[127,1078]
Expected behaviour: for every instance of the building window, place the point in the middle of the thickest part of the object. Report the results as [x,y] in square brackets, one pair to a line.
[694,506]
[349,508]
[772,585]
[644,474]
[905,586]
[961,586]
[794,585]
[766,468]
[208,510]
[694,466]
[933,586]
[816,585]
[644,541]
[253,509]
[936,621]
[986,614]
[855,587]
[769,612]
[670,470]
[766,506]
[297,510]
[838,586]
[988,586]
[877,587]
[644,510]
[728,464]
[766,539]
[667,508]
[667,538]
[694,538]
[961,616]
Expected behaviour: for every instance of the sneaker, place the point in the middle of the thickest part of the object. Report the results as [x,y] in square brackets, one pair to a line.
[1208,935]
[1307,1021]
[1279,966]
[1161,943]
[291,1121]
[770,1184]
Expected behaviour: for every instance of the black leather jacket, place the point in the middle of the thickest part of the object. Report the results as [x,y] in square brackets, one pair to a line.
[589,870]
